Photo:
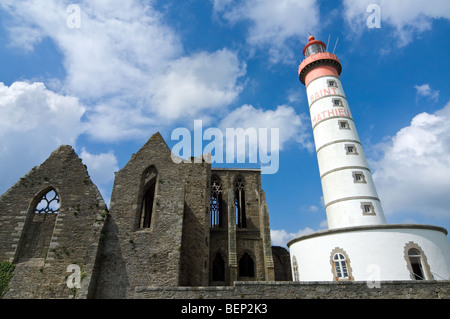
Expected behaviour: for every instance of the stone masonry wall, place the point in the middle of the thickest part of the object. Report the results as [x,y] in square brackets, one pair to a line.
[195,238]
[72,236]
[254,239]
[304,290]
[282,263]
[149,256]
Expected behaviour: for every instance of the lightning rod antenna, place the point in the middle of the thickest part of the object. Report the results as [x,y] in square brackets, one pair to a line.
[335,44]
[328,41]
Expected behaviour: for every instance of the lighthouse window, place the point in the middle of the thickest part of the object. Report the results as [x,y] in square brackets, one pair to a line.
[367,208]
[295,269]
[313,49]
[343,125]
[337,102]
[350,149]
[332,83]
[416,262]
[340,266]
[358,177]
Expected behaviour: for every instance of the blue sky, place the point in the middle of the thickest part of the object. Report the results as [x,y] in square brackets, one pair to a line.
[103,76]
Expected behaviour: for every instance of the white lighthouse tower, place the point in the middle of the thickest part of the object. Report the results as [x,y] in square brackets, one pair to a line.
[349,193]
[359,244]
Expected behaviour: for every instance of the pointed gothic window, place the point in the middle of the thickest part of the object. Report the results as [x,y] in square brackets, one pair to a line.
[246,266]
[148,198]
[49,204]
[239,201]
[218,273]
[147,206]
[39,229]
[216,203]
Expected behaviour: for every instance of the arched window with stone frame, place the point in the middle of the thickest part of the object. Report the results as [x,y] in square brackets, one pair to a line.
[216,203]
[239,202]
[146,208]
[340,265]
[40,224]
[416,262]
[295,269]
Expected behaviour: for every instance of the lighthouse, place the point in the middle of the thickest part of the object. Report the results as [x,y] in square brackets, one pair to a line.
[359,245]
[349,193]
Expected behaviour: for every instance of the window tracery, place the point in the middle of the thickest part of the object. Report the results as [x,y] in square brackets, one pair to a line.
[241,218]
[216,203]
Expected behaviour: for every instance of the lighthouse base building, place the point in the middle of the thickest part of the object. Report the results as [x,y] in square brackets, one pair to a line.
[372,253]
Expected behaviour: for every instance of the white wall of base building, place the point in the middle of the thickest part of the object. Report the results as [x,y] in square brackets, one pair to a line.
[374,253]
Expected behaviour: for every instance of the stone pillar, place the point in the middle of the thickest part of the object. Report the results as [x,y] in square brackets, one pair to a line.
[232,256]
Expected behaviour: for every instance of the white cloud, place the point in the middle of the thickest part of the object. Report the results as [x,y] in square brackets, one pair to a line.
[203,81]
[24,37]
[127,65]
[294,96]
[324,224]
[109,60]
[118,46]
[101,167]
[34,122]
[313,208]
[290,124]
[413,175]
[408,18]
[273,23]
[117,120]
[425,90]
[281,237]
[257,136]
[309,208]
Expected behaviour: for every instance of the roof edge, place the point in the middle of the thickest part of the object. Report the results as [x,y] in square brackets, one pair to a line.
[366,228]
